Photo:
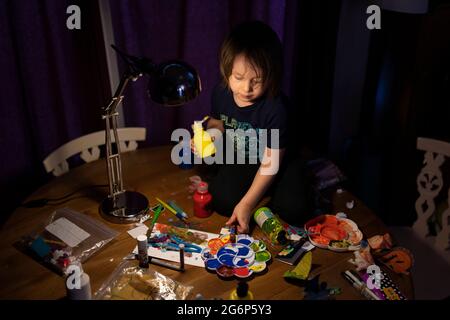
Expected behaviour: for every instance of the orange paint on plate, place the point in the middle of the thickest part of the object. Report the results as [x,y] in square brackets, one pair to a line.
[215,244]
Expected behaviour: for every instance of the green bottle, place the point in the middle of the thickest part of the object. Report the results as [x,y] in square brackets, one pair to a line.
[271,226]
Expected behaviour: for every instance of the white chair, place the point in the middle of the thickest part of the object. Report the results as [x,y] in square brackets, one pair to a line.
[431,270]
[88,147]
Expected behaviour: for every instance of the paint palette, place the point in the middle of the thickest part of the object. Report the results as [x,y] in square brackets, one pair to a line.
[240,259]
[334,233]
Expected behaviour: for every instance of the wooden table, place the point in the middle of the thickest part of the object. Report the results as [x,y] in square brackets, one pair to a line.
[151,172]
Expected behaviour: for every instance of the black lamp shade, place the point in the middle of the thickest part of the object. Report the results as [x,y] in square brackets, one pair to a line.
[174,83]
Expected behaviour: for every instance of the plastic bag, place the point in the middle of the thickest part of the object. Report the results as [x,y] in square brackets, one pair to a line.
[130,282]
[67,236]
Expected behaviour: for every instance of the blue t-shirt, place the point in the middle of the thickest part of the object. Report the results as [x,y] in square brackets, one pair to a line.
[265,113]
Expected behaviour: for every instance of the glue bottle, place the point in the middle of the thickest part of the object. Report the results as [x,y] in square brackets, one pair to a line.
[270,225]
[202,140]
[241,292]
[78,283]
[202,200]
[142,251]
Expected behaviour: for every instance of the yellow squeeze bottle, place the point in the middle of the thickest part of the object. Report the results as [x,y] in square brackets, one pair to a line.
[202,140]
[241,292]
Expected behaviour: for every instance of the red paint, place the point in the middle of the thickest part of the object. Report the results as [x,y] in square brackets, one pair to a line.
[241,272]
[225,271]
[202,200]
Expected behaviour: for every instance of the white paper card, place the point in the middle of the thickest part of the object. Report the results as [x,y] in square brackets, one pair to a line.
[193,259]
[67,231]
[134,233]
[308,246]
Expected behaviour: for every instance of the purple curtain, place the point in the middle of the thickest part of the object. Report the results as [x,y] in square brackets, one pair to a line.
[52,88]
[191,31]
[55,80]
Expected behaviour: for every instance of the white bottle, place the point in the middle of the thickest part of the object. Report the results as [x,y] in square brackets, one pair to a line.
[78,283]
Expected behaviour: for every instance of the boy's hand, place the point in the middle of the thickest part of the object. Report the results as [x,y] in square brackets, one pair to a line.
[241,217]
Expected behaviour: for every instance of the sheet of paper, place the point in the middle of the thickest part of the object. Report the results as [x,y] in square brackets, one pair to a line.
[193,259]
[134,233]
[67,231]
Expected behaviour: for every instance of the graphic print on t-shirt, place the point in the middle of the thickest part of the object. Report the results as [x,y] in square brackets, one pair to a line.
[243,135]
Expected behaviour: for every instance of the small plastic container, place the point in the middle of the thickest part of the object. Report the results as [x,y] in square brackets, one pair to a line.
[202,201]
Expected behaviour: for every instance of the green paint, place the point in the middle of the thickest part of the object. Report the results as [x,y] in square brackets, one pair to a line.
[262,256]
[254,246]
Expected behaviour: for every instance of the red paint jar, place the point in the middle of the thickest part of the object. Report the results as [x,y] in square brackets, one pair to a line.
[202,201]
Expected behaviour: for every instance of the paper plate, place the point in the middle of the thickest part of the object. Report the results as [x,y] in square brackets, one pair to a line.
[334,233]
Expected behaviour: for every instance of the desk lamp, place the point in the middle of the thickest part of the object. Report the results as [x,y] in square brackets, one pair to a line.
[172,83]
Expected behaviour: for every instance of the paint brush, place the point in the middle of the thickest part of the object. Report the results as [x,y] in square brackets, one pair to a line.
[178,209]
[178,215]
[158,211]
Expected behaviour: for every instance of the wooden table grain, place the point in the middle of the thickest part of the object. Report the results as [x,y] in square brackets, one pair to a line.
[151,172]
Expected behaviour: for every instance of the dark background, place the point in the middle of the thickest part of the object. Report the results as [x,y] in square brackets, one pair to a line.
[361,97]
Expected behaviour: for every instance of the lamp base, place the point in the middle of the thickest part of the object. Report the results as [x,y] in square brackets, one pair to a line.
[128,207]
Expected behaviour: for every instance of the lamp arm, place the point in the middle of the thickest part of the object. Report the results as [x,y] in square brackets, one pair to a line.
[113,159]
[118,95]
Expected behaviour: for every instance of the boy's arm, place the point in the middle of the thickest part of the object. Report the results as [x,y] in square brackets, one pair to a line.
[215,124]
[263,179]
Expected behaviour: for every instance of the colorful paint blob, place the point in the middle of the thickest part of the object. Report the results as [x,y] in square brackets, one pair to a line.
[263,256]
[212,264]
[242,272]
[225,271]
[335,233]
[206,254]
[258,267]
[258,245]
[215,244]
[238,259]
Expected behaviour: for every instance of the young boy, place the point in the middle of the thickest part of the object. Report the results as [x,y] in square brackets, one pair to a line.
[250,98]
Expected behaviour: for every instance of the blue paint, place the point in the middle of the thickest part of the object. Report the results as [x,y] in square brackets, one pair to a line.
[225,250]
[244,241]
[212,264]
[241,262]
[243,251]
[227,259]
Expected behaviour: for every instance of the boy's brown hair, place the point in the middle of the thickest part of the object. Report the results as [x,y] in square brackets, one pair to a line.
[261,46]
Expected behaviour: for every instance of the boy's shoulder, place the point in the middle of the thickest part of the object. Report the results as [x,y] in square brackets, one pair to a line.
[277,104]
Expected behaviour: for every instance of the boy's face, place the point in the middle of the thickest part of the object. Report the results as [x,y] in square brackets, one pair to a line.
[245,82]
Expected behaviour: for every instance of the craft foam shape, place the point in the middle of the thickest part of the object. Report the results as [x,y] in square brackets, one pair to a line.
[301,271]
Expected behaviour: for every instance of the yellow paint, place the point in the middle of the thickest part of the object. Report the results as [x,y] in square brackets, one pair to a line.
[202,140]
